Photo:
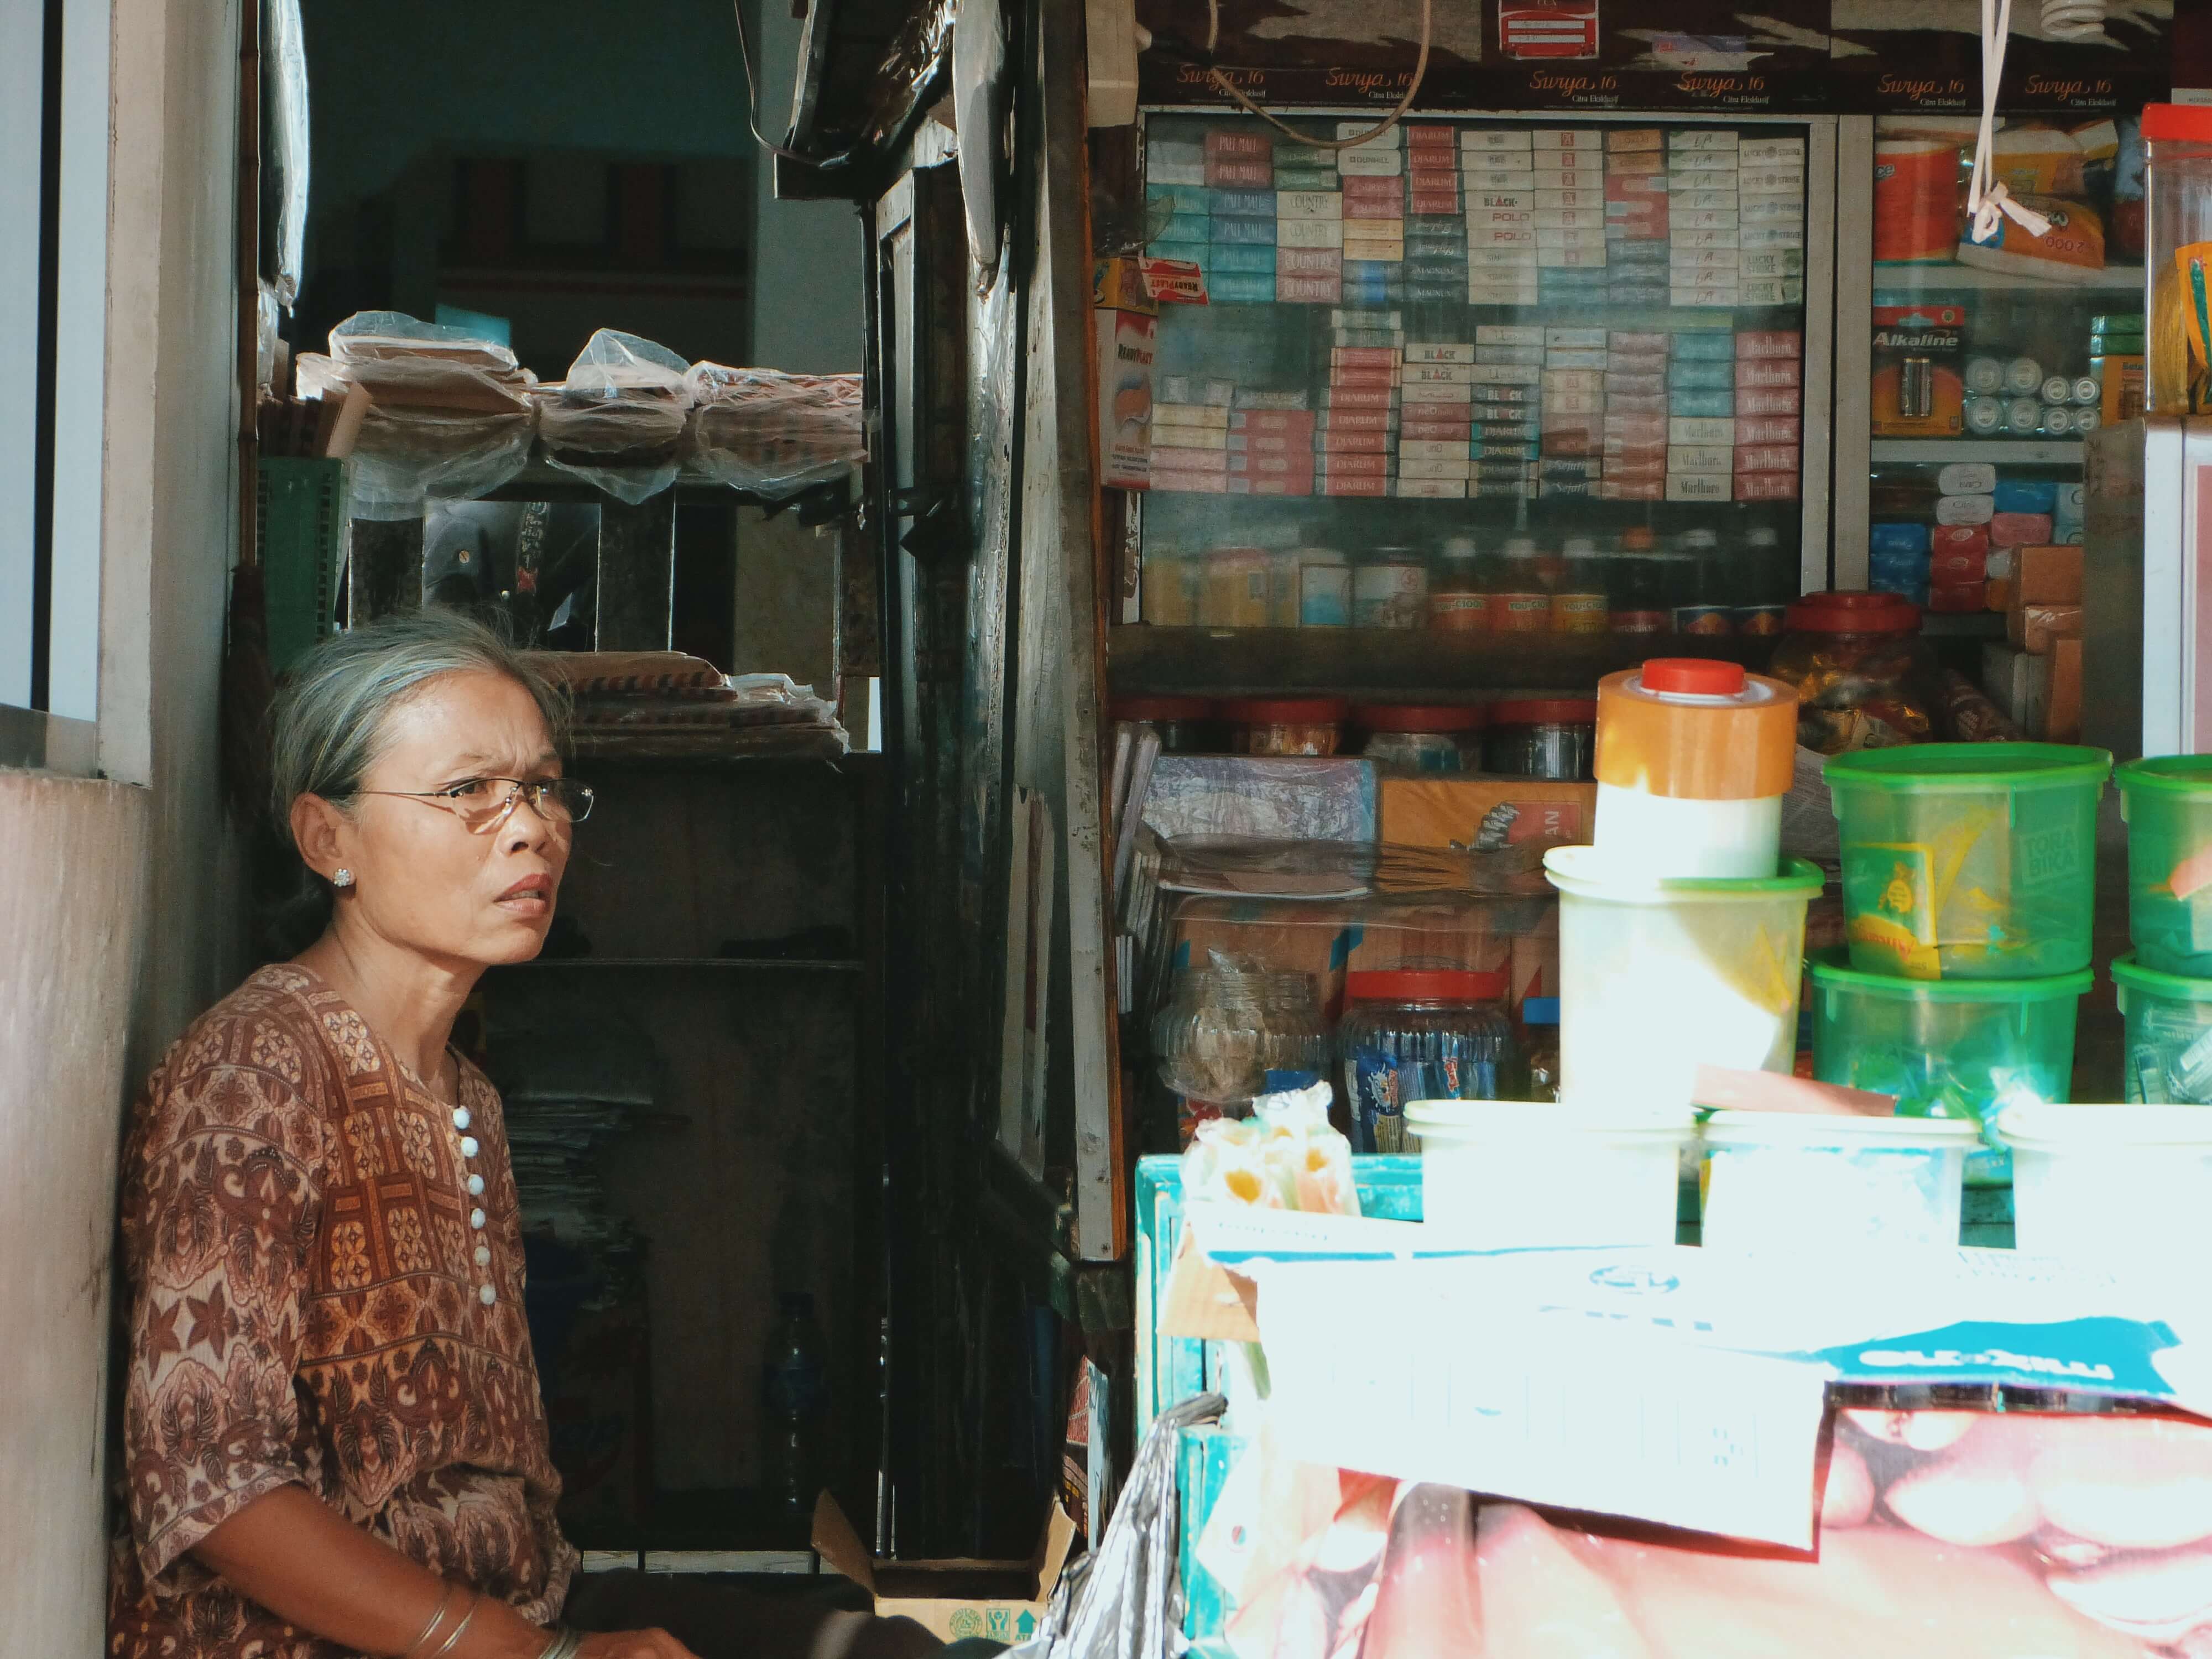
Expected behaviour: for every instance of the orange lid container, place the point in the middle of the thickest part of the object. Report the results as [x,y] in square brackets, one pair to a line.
[1692,729]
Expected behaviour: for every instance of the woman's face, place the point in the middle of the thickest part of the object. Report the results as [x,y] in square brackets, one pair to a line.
[421,880]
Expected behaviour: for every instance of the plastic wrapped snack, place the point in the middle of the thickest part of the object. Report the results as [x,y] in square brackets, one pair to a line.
[449,414]
[771,433]
[618,420]
[1285,1157]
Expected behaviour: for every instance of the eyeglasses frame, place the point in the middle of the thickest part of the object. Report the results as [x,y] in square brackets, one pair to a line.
[442,799]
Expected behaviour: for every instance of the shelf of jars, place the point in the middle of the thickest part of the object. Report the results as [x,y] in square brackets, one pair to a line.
[1445,665]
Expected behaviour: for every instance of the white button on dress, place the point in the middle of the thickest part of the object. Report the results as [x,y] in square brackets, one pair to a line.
[476,1219]
[487,1295]
[476,1186]
[460,1117]
[483,1255]
[469,1147]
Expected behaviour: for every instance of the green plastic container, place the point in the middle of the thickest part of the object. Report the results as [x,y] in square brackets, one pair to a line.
[1969,860]
[1955,1048]
[2169,1031]
[2167,803]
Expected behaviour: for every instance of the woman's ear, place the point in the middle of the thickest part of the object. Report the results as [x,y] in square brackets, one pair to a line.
[320,830]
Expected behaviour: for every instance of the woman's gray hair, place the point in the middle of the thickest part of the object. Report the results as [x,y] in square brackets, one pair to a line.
[327,726]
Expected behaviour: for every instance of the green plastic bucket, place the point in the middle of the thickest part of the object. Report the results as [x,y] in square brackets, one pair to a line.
[1953,1048]
[1969,860]
[2167,803]
[2169,1035]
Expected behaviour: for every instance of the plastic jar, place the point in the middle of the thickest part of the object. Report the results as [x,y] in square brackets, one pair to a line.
[1285,725]
[1228,1035]
[2129,1185]
[1969,860]
[1185,724]
[1235,590]
[1862,671]
[1970,1049]
[2177,212]
[1782,1181]
[1553,737]
[1458,602]
[1520,599]
[1420,1034]
[1324,588]
[1659,978]
[1508,1175]
[1693,759]
[2168,804]
[1437,737]
[2169,1020]
[1390,590]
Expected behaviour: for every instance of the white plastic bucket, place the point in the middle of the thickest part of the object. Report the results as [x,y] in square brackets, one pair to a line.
[1657,978]
[2112,1184]
[1655,838]
[1785,1181]
[1513,1174]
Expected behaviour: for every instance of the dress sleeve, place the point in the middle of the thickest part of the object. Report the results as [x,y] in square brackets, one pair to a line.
[221,1200]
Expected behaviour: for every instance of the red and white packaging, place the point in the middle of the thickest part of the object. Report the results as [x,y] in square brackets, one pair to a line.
[1241,146]
[1778,400]
[1239,175]
[2020,529]
[1769,429]
[1425,431]
[1359,397]
[1770,342]
[1297,423]
[1189,483]
[1765,458]
[1272,486]
[1958,567]
[1964,596]
[1637,406]
[1764,372]
[1351,443]
[1379,485]
[1622,489]
[1278,466]
[1965,541]
[1766,486]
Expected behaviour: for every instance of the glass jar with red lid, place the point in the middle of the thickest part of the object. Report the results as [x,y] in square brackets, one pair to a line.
[1421,1033]
[1433,737]
[1553,737]
[1285,725]
[1864,678]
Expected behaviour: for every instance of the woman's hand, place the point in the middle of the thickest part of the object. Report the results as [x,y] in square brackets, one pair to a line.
[633,1645]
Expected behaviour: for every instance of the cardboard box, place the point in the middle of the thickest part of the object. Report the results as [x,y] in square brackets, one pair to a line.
[1282,936]
[1002,1600]
[1126,345]
[1437,811]
[2006,679]
[2041,575]
[1464,931]
[2062,705]
[1535,970]
[2031,628]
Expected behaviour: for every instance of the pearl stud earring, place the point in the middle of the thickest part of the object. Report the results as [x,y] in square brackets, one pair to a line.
[343,878]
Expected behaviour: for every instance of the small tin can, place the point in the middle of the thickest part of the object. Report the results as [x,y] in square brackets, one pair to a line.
[1759,621]
[2058,420]
[2057,389]
[2022,376]
[2023,415]
[1984,376]
[1984,416]
[1390,591]
[1711,620]
[1324,590]
[1640,622]
[2086,390]
[2087,420]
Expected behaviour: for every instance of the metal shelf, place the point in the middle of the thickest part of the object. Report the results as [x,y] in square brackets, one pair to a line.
[1889,278]
[2018,451]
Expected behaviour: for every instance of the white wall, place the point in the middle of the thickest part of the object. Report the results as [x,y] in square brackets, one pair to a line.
[72,890]
[116,897]
[808,315]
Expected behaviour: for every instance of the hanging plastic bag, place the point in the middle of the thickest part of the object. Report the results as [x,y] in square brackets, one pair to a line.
[1124,1599]
[618,420]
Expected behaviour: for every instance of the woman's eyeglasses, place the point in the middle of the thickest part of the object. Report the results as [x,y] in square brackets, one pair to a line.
[484,804]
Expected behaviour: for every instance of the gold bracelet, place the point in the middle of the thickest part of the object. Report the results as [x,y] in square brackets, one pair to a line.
[437,1618]
[466,1619]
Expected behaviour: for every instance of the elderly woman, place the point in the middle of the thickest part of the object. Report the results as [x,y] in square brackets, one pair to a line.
[333,1439]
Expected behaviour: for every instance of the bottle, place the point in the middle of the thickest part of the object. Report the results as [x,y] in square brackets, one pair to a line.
[1580,602]
[1457,602]
[794,1413]
[1520,602]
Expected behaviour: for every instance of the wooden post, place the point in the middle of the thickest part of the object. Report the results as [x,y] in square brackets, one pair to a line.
[637,575]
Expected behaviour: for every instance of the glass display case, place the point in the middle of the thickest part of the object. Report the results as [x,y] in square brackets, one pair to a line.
[1981,368]
[1508,376]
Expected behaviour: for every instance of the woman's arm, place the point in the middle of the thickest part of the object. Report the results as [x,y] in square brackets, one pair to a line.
[311,1567]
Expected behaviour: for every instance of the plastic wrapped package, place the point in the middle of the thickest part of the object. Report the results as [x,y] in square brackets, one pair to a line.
[770,434]
[618,420]
[1943,1534]
[1267,797]
[1250,866]
[1233,1031]
[449,415]
[1284,1157]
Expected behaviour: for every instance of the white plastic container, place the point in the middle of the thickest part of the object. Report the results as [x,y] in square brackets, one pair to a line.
[1783,1181]
[1510,1174]
[1657,978]
[1693,758]
[2112,1184]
